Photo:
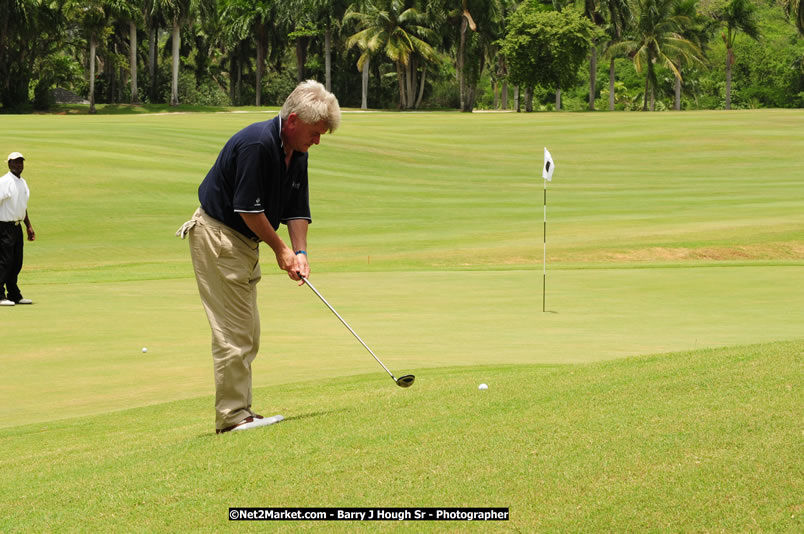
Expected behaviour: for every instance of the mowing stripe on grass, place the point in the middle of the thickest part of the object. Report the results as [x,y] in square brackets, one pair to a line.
[707,440]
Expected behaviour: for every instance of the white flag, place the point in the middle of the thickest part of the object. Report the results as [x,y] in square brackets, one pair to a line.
[549,166]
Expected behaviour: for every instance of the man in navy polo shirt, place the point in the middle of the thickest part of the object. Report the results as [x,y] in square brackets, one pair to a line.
[258,181]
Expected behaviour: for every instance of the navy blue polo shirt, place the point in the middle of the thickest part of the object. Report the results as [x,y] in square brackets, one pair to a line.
[250,176]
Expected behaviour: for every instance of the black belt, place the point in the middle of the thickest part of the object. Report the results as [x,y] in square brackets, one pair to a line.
[15,223]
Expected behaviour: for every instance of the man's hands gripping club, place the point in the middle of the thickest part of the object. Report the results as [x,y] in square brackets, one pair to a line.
[294,264]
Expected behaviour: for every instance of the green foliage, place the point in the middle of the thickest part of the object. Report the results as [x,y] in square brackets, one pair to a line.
[770,79]
[31,32]
[767,73]
[445,93]
[171,10]
[305,29]
[191,93]
[738,16]
[277,87]
[220,42]
[795,9]
[546,48]
[475,49]
[657,39]
[398,31]
[57,70]
[622,99]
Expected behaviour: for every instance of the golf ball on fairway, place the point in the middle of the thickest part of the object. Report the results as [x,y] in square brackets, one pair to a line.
[482,387]
[145,349]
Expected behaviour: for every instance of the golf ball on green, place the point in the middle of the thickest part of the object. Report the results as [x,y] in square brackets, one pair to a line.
[482,387]
[145,349]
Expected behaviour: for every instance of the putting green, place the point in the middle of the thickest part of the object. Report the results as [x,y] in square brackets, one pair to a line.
[77,350]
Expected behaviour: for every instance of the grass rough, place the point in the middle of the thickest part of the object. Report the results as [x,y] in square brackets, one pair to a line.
[706,440]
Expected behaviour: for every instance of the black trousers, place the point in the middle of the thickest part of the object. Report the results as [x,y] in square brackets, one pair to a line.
[10,260]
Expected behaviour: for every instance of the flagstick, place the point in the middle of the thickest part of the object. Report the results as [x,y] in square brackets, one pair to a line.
[547,175]
[544,258]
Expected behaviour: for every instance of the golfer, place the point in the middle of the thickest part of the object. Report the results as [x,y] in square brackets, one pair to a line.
[258,181]
[14,195]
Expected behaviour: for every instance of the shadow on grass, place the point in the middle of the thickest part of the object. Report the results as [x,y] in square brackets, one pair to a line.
[286,419]
[313,414]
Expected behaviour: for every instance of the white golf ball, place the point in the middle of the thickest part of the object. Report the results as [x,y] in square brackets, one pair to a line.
[482,387]
[145,349]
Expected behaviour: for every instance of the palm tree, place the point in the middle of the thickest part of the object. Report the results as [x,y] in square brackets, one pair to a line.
[94,16]
[618,22]
[656,38]
[794,8]
[304,29]
[592,11]
[153,21]
[31,31]
[365,47]
[133,11]
[177,12]
[15,26]
[132,59]
[470,28]
[480,48]
[398,31]
[737,16]
[251,19]
[696,32]
[326,13]
[507,7]
[206,31]
[466,23]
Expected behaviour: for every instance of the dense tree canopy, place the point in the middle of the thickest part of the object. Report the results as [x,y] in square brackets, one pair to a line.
[459,54]
[657,38]
[546,48]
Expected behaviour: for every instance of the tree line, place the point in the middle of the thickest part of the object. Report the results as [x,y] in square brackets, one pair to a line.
[407,54]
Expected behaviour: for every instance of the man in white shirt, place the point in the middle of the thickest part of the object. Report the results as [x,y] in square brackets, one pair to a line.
[14,194]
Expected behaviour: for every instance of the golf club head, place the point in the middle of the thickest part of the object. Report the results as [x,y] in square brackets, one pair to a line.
[405,381]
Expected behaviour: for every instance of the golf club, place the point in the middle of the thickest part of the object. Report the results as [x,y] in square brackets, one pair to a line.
[403,381]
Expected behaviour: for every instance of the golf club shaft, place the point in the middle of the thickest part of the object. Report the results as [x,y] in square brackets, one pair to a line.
[311,286]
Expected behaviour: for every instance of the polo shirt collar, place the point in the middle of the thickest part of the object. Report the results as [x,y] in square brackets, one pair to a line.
[295,155]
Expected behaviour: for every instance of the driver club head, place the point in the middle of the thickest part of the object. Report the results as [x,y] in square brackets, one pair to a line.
[405,381]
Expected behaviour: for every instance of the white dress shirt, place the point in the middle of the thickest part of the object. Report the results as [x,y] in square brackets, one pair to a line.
[14,195]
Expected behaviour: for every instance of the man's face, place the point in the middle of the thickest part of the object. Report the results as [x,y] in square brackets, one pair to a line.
[16,166]
[300,135]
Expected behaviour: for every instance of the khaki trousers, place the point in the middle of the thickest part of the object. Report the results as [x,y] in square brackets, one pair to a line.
[227,269]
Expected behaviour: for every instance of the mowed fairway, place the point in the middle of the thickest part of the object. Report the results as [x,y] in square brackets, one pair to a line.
[667,233]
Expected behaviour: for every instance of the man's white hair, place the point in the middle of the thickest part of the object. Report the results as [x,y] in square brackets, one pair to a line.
[313,103]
